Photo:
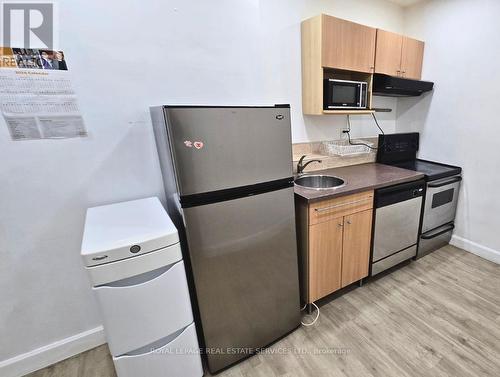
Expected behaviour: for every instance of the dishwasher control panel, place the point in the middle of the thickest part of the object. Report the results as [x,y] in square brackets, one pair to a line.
[399,193]
[418,192]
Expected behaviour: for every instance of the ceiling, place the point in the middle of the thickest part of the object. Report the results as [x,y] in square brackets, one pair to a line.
[405,3]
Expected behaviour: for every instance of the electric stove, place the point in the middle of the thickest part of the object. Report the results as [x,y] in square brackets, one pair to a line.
[443,185]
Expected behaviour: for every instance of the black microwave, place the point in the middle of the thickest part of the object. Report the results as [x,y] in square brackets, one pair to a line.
[344,94]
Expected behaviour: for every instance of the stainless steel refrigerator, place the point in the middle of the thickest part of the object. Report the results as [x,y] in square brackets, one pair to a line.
[229,188]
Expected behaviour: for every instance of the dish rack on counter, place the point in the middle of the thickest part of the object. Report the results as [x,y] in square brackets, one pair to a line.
[344,148]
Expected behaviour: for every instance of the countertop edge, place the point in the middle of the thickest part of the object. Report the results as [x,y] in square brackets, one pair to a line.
[355,190]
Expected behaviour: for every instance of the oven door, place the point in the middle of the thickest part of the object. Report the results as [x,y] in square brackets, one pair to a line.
[344,94]
[441,202]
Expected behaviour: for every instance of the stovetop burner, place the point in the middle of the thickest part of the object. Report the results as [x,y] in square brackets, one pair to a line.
[401,150]
[432,170]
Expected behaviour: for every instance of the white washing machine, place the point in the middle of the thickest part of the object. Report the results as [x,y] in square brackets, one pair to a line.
[132,253]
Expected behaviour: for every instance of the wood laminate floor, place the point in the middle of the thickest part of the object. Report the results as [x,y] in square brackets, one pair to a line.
[438,316]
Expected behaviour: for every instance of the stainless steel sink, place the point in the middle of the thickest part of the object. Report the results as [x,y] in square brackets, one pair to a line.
[320,182]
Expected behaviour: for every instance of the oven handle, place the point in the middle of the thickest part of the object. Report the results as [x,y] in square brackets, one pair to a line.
[453,180]
[445,230]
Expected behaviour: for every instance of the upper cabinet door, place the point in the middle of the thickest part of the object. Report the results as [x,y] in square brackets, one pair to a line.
[388,53]
[347,45]
[412,57]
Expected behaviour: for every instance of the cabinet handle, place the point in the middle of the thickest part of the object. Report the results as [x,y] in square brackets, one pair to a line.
[349,222]
[340,225]
[341,205]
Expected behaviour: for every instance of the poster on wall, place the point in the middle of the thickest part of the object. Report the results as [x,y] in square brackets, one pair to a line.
[37,99]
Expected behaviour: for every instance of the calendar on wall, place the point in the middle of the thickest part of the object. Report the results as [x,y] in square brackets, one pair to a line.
[37,99]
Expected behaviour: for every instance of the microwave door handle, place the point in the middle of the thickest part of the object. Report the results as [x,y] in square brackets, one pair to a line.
[441,184]
[364,94]
[360,95]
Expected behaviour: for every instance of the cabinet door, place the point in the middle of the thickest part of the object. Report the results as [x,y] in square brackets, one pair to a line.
[356,253]
[412,57]
[325,258]
[388,53]
[347,45]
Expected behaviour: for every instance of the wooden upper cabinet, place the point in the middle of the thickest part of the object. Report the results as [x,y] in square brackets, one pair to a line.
[333,48]
[356,246]
[388,53]
[347,45]
[412,56]
[397,55]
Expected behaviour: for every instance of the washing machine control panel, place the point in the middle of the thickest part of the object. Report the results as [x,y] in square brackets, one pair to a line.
[135,249]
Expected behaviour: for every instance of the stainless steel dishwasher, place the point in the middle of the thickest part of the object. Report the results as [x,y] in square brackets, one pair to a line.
[397,224]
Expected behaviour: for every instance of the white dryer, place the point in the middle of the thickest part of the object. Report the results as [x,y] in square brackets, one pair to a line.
[132,253]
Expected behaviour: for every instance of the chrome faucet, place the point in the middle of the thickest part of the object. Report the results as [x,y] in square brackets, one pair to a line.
[301,166]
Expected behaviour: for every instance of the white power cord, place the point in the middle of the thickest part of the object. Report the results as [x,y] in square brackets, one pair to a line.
[315,319]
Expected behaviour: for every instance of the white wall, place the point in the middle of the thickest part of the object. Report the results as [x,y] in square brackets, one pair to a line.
[126,56]
[459,121]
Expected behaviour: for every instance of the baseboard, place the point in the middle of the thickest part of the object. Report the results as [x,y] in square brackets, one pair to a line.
[52,353]
[475,248]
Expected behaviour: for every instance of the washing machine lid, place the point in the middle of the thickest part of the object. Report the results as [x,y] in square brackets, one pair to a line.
[124,230]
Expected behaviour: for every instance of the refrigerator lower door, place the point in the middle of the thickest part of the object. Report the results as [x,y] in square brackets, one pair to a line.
[244,261]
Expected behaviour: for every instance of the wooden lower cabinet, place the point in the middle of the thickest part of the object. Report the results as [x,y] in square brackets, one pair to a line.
[334,243]
[356,247]
[325,258]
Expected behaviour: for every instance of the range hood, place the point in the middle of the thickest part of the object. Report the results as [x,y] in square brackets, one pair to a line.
[384,85]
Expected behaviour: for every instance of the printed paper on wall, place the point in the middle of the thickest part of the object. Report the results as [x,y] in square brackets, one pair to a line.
[37,98]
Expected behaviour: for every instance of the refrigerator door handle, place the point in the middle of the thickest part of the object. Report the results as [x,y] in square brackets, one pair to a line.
[194,200]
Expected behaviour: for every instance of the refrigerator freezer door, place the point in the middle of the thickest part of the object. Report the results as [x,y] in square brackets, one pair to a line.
[244,259]
[216,148]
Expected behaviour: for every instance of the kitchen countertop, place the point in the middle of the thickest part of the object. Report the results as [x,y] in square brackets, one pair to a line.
[358,178]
